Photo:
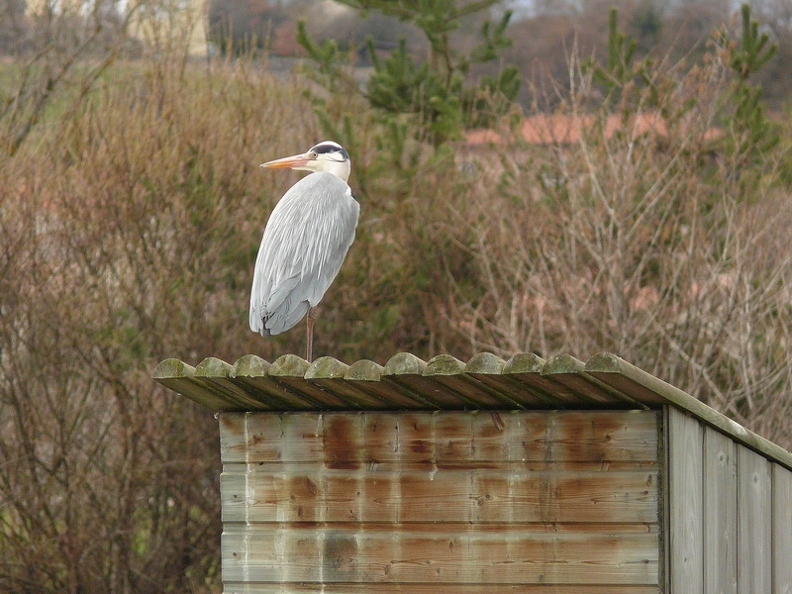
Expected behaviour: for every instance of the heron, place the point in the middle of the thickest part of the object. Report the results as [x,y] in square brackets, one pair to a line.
[305,241]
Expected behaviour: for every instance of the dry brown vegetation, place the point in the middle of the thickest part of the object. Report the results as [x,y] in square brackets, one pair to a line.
[128,234]
[666,247]
[129,229]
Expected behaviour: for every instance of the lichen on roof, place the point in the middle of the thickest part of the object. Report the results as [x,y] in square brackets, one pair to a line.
[406,382]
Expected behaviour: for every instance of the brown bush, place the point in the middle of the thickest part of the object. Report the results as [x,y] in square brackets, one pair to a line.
[128,236]
[661,246]
[129,231]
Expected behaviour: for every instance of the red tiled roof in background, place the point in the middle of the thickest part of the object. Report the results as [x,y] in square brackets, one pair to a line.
[568,129]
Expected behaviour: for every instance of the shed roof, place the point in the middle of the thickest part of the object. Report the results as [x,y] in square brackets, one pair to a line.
[406,382]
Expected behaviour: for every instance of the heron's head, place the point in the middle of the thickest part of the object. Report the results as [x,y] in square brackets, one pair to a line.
[325,156]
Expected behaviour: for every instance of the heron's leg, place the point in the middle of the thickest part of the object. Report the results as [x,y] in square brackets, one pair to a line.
[309,338]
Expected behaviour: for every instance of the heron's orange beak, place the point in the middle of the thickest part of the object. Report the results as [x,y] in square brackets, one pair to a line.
[288,162]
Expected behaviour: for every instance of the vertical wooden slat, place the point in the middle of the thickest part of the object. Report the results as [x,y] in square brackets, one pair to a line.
[782,530]
[753,521]
[684,444]
[720,513]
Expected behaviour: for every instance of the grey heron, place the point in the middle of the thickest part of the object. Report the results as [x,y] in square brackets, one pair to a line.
[305,241]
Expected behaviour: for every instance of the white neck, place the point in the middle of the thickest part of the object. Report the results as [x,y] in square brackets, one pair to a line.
[342,169]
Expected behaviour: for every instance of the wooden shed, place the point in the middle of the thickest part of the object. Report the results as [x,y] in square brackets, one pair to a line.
[522,476]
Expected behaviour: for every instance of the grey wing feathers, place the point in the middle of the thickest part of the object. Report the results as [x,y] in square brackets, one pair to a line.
[304,245]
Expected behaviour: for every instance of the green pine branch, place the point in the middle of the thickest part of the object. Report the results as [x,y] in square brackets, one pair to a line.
[433,92]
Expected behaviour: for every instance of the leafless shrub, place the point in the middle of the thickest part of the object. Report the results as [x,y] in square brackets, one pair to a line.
[649,241]
[128,235]
[59,50]
[129,231]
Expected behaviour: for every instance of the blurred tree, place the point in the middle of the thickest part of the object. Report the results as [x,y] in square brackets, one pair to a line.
[435,90]
[238,26]
[59,46]
[350,29]
[671,32]
[776,15]
[688,27]
[128,234]
[541,49]
[650,237]
[622,70]
[752,133]
[14,27]
[646,25]
[555,7]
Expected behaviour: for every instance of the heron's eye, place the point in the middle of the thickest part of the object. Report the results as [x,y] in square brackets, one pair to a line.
[313,155]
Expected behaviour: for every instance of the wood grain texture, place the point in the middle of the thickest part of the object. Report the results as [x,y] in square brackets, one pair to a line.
[753,522]
[650,390]
[392,553]
[443,499]
[782,530]
[215,374]
[720,513]
[569,371]
[435,496]
[430,588]
[180,377]
[525,370]
[684,444]
[250,374]
[438,494]
[406,382]
[596,436]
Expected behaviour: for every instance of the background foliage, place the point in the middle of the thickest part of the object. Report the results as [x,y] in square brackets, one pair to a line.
[132,211]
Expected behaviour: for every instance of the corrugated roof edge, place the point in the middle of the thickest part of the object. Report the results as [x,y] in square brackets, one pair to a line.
[622,375]
[406,382]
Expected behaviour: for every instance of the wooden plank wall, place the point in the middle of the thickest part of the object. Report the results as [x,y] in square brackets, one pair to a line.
[729,514]
[544,501]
